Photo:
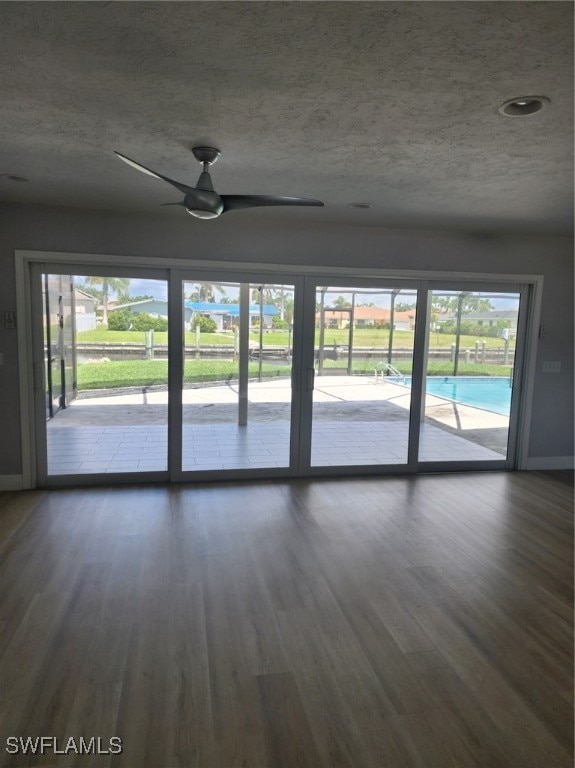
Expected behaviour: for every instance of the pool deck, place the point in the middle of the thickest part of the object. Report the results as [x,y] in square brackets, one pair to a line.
[357,421]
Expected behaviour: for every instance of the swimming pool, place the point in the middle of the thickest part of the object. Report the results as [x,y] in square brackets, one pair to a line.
[492,393]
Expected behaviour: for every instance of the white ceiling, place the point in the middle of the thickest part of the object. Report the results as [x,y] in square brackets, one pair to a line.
[389,103]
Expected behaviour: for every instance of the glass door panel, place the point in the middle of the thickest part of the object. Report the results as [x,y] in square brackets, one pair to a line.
[237,378]
[364,341]
[106,373]
[470,360]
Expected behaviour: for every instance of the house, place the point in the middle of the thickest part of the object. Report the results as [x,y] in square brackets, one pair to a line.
[503,320]
[289,560]
[224,315]
[367,317]
[85,310]
[154,307]
[491,317]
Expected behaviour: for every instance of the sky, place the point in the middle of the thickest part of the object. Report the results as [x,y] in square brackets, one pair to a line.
[159,290]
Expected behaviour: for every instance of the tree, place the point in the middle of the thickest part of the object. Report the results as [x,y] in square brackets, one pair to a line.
[288,310]
[476,304]
[341,302]
[206,292]
[469,303]
[117,284]
[404,306]
[279,297]
[123,297]
[282,303]
[267,295]
[91,290]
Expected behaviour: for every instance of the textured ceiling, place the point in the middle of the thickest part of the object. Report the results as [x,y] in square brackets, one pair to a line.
[394,104]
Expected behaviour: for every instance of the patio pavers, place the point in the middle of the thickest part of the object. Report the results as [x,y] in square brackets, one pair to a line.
[356,422]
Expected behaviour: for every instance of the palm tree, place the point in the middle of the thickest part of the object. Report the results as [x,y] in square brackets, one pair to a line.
[117,284]
[206,292]
[341,303]
[469,303]
[266,294]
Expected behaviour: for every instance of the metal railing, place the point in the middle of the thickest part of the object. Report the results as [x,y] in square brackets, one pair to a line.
[386,369]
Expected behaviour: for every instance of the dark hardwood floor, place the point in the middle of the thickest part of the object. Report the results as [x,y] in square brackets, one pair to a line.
[423,622]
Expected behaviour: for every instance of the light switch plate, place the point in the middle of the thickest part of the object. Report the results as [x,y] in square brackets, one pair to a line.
[552,366]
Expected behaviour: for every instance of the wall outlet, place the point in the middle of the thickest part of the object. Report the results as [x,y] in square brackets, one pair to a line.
[553,366]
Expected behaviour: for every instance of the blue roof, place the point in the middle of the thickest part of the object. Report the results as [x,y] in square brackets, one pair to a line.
[229,309]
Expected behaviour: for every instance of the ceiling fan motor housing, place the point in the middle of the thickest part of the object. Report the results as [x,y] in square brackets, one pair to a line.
[207,155]
[204,204]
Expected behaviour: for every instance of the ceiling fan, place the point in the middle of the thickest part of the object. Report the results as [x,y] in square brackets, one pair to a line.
[203,202]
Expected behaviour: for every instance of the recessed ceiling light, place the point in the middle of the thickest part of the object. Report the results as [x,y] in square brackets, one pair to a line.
[359,205]
[523,106]
[13,177]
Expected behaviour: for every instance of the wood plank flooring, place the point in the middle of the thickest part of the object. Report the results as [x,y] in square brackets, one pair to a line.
[421,622]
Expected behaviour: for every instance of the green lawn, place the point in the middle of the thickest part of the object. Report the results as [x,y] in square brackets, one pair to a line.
[101,335]
[145,373]
[434,368]
[373,337]
[363,337]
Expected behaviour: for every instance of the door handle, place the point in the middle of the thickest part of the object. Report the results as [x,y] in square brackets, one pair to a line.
[310,379]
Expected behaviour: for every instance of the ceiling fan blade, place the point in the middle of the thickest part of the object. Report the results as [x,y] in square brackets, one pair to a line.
[235,202]
[182,187]
[180,203]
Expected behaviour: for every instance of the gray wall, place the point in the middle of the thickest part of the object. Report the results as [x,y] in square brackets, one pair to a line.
[245,237]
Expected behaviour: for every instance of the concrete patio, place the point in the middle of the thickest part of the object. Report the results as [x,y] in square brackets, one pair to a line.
[356,421]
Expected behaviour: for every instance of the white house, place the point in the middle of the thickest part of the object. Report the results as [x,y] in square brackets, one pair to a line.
[85,310]
[226,316]
[154,307]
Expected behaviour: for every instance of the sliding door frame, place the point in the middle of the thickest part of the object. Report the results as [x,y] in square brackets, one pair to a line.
[31,373]
[511,459]
[305,467]
[40,460]
[176,356]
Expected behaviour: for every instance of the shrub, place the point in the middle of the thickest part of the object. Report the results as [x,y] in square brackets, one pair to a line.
[279,324]
[144,322]
[469,328]
[205,324]
[124,320]
[119,320]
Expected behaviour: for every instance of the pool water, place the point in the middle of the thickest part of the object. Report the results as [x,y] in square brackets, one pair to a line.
[492,393]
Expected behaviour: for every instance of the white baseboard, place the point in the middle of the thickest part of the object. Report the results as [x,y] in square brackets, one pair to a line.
[11,482]
[550,462]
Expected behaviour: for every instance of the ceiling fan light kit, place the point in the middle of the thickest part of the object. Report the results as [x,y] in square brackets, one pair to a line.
[203,202]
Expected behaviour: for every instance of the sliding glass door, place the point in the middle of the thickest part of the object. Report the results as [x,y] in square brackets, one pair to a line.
[411,376]
[105,371]
[237,340]
[175,375]
[474,341]
[360,346]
